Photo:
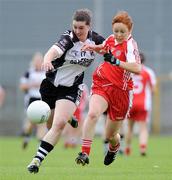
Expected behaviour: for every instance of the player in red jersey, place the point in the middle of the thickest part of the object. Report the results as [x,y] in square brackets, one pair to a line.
[112,86]
[144,86]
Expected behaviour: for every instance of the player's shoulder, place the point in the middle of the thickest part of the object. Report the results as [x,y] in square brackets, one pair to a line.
[27,73]
[131,40]
[110,39]
[96,37]
[66,40]
[68,34]
[148,69]
[94,33]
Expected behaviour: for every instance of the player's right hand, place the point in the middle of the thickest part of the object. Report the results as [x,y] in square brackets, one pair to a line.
[47,66]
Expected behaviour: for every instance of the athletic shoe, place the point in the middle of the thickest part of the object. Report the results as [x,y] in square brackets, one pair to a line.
[73,122]
[110,157]
[82,159]
[70,145]
[143,153]
[25,144]
[33,167]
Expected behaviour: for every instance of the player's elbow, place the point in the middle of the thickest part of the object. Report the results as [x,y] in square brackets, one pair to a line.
[137,68]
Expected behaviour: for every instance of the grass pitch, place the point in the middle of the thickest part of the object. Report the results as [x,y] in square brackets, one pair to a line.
[60,165]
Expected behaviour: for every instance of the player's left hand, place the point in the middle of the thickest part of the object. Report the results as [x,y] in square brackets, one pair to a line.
[112,60]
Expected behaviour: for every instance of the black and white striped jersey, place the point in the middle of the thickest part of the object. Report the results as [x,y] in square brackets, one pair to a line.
[69,68]
[32,76]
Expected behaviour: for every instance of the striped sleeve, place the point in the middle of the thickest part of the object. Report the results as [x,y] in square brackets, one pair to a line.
[132,51]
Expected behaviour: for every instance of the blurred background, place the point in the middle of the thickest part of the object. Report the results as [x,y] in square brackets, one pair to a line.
[27,26]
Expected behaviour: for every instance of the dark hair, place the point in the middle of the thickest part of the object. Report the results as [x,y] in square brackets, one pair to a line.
[83,15]
[142,58]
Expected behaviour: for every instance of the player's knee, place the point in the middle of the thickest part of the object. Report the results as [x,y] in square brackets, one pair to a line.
[59,125]
[93,115]
[113,137]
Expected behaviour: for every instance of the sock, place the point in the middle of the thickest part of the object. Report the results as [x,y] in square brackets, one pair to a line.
[122,143]
[142,148]
[43,150]
[114,148]
[127,151]
[86,146]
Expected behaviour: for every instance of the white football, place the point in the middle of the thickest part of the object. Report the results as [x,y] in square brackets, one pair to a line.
[38,112]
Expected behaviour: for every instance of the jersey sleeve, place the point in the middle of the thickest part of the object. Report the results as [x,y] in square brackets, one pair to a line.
[132,52]
[65,42]
[24,78]
[107,42]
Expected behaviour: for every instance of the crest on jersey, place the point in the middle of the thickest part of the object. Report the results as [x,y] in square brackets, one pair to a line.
[118,53]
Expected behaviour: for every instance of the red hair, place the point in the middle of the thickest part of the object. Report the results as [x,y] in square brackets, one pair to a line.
[123,17]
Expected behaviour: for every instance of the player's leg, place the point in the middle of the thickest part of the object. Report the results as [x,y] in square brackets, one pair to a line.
[50,120]
[73,122]
[97,106]
[63,111]
[70,140]
[143,137]
[28,126]
[27,132]
[41,130]
[129,135]
[105,141]
[72,136]
[122,140]
[113,137]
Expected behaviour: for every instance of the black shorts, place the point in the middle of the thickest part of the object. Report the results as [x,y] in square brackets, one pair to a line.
[33,99]
[50,94]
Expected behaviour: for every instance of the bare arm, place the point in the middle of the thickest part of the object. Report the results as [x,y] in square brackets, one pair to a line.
[93,47]
[51,54]
[27,86]
[131,67]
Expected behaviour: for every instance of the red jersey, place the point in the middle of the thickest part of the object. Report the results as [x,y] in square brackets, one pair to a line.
[126,52]
[143,86]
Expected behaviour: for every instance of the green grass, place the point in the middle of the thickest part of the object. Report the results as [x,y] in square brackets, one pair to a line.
[60,165]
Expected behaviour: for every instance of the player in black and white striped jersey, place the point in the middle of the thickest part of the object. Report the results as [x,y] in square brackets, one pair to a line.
[65,64]
[30,84]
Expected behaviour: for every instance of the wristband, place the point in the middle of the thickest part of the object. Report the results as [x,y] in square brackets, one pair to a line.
[117,62]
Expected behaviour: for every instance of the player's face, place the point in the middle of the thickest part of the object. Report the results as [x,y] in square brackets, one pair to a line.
[37,62]
[120,31]
[81,29]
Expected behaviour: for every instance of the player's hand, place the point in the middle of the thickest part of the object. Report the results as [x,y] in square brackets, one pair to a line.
[87,47]
[47,66]
[35,85]
[112,60]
